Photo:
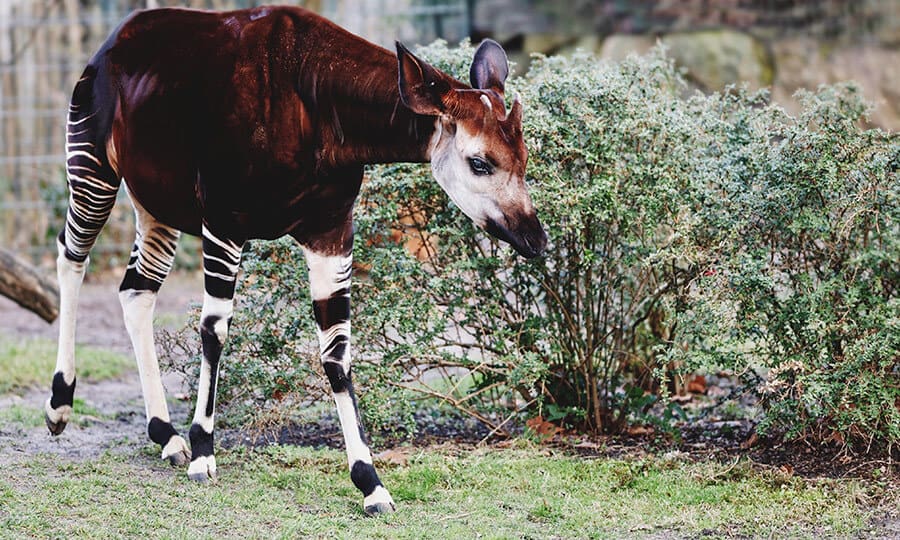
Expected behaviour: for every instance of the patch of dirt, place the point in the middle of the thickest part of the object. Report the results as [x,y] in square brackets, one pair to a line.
[99,319]
[120,425]
[724,441]
[325,432]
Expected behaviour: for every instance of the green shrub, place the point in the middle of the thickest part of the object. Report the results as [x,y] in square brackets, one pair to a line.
[687,233]
[610,169]
[802,298]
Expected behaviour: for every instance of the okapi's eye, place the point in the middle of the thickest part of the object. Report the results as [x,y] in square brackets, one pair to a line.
[480,167]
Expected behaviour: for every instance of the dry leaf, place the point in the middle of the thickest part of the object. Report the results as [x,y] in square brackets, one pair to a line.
[697,385]
[541,427]
[751,441]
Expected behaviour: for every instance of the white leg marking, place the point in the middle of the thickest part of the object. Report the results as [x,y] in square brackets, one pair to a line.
[70,275]
[137,309]
[327,273]
[202,468]
[356,447]
[62,414]
[380,495]
[175,445]
[222,308]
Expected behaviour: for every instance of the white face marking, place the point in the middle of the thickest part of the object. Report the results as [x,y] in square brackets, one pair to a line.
[479,197]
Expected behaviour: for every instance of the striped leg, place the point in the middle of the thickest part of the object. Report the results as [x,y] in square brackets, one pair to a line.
[221,258]
[151,260]
[93,186]
[329,282]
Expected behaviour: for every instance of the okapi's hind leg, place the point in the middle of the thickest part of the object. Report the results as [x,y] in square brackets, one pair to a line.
[329,282]
[221,259]
[93,186]
[151,260]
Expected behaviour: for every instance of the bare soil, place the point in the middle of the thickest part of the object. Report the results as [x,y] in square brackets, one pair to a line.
[99,314]
[120,425]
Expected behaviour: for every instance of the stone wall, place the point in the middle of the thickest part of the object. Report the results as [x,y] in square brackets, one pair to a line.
[781,44]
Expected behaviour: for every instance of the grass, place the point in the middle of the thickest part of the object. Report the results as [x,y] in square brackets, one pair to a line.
[30,362]
[289,492]
[27,417]
[23,415]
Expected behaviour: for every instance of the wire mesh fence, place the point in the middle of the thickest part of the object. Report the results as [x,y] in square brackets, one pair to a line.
[45,44]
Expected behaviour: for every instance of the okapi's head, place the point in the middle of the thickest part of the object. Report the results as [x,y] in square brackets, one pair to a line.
[477,153]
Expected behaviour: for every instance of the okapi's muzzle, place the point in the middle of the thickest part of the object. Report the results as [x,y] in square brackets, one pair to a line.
[526,236]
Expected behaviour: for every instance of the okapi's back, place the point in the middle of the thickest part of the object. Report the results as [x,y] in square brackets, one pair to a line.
[201,111]
[259,120]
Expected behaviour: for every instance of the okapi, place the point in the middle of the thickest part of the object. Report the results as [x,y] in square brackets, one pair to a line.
[256,124]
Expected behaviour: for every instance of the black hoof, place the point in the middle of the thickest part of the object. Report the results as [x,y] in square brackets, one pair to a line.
[55,427]
[380,508]
[180,459]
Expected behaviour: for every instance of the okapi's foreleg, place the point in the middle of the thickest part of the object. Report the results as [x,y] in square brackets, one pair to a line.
[151,260]
[329,282]
[221,259]
[93,186]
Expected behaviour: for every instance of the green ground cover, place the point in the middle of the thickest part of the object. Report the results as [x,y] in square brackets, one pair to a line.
[447,492]
[27,362]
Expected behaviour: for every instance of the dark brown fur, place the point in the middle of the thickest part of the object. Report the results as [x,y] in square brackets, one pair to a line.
[259,121]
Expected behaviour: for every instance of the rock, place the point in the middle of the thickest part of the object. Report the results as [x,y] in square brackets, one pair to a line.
[618,46]
[807,63]
[546,43]
[716,58]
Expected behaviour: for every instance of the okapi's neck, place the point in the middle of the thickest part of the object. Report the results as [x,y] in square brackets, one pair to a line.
[362,118]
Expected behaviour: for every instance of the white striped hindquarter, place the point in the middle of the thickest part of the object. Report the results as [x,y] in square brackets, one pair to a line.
[93,185]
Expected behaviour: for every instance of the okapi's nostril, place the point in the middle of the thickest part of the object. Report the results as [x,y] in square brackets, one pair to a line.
[536,242]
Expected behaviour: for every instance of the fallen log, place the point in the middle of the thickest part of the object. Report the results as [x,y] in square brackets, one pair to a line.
[27,287]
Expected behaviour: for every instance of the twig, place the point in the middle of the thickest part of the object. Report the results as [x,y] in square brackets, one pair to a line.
[501,424]
[457,516]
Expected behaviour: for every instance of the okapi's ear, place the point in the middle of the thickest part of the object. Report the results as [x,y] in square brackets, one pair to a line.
[422,87]
[490,67]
